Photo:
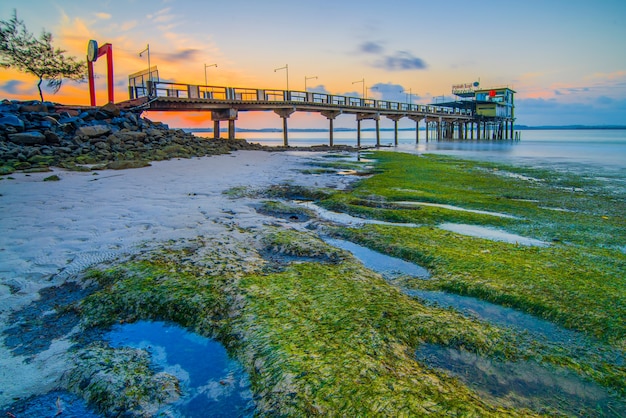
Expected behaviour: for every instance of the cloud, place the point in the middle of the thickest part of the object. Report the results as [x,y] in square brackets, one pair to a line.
[12,86]
[401,61]
[161,16]
[389,91]
[102,15]
[371,47]
[601,111]
[188,54]
[318,89]
[605,101]
[398,61]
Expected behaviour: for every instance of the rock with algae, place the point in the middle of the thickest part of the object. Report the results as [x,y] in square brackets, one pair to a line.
[120,382]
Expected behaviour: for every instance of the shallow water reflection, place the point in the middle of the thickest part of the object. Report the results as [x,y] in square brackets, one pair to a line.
[213,384]
[389,267]
[497,314]
[492,234]
[524,384]
[56,403]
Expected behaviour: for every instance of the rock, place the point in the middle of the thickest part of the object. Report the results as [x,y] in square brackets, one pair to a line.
[52,137]
[125,164]
[110,109]
[11,120]
[93,131]
[28,138]
[35,107]
[130,136]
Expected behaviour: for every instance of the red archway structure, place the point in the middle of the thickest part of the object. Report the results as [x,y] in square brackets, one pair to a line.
[93,52]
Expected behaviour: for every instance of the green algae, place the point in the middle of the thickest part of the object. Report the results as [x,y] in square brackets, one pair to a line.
[316,338]
[119,381]
[588,212]
[285,210]
[587,270]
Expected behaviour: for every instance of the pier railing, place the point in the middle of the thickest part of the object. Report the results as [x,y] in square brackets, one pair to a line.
[272,96]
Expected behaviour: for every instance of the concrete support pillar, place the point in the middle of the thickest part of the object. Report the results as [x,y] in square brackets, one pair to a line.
[395,119]
[395,133]
[439,129]
[360,117]
[358,133]
[284,114]
[224,114]
[231,128]
[216,129]
[417,127]
[426,121]
[331,115]
[478,130]
[378,132]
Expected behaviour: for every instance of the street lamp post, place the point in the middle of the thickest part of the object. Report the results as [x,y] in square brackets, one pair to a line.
[286,68]
[149,70]
[409,96]
[361,81]
[308,78]
[206,83]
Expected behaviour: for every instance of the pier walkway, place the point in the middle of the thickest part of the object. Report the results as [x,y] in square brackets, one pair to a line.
[225,103]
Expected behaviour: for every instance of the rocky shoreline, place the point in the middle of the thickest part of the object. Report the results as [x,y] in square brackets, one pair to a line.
[35,136]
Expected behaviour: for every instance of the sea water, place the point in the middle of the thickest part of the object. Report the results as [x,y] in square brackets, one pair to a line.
[582,149]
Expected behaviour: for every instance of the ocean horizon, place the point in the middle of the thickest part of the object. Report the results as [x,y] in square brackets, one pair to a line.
[585,150]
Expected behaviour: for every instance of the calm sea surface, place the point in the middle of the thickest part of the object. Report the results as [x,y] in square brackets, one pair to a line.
[594,152]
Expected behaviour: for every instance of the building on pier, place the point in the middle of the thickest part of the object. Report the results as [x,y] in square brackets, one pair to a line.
[493,110]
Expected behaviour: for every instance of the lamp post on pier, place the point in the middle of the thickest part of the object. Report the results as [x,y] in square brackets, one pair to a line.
[286,68]
[206,83]
[361,81]
[308,78]
[409,96]
[149,69]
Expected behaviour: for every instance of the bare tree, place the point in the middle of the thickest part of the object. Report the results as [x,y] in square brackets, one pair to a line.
[20,49]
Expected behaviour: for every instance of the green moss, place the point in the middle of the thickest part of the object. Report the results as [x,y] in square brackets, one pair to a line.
[335,338]
[285,210]
[299,244]
[151,290]
[239,192]
[317,338]
[120,381]
[52,178]
[42,159]
[126,164]
[579,285]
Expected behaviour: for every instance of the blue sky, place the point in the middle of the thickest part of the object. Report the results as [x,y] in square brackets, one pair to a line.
[565,59]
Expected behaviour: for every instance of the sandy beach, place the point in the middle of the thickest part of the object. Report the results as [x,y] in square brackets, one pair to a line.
[53,230]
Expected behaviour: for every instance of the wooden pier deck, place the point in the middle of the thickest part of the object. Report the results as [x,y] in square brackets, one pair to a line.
[225,103]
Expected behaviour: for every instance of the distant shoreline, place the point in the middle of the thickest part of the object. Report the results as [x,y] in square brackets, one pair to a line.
[517,127]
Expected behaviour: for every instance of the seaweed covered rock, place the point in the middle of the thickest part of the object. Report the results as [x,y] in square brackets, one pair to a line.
[36,135]
[120,381]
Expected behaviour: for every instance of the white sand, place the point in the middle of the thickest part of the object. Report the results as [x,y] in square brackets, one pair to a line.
[53,230]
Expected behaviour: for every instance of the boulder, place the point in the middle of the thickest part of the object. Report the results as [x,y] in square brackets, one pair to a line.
[11,120]
[28,138]
[110,109]
[93,131]
[130,136]
[34,107]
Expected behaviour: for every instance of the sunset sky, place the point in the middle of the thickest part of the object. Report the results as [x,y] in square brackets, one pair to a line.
[565,58]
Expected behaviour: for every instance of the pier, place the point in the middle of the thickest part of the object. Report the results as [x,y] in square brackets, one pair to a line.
[225,103]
